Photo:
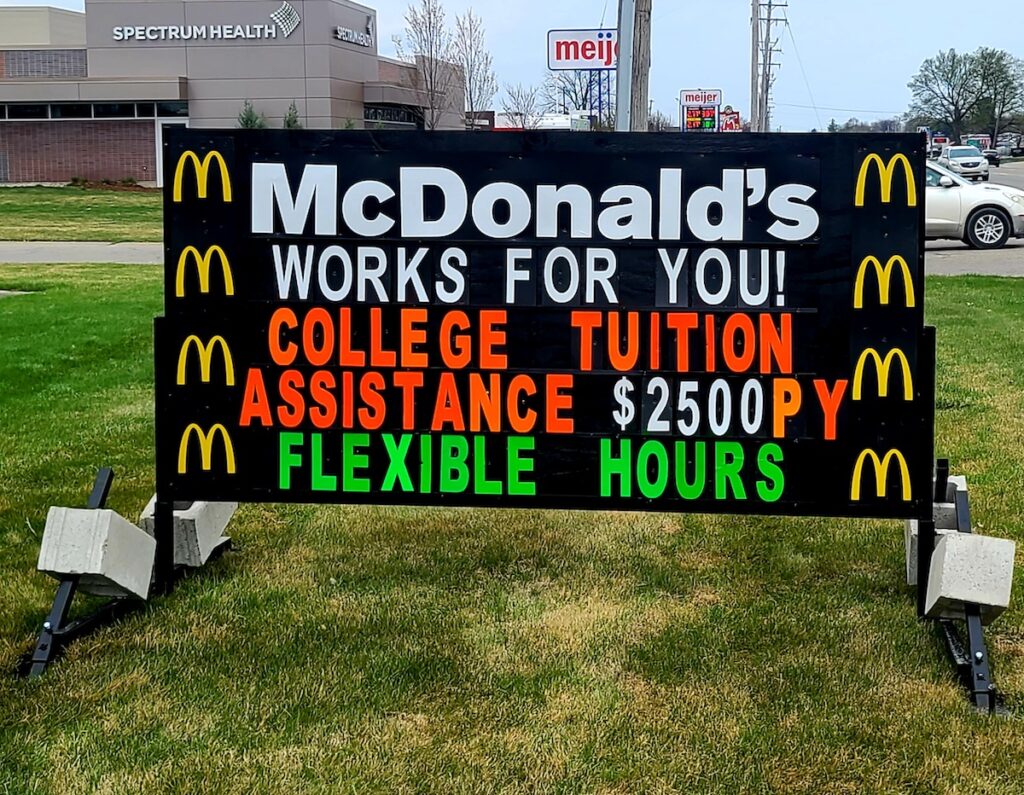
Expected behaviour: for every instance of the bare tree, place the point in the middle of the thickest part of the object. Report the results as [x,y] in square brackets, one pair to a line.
[947,90]
[580,89]
[571,89]
[429,44]
[659,122]
[853,124]
[475,59]
[1001,84]
[522,105]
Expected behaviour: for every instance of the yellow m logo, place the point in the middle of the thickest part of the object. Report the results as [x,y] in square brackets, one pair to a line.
[884,274]
[202,172]
[881,473]
[205,359]
[203,262]
[882,368]
[205,447]
[886,174]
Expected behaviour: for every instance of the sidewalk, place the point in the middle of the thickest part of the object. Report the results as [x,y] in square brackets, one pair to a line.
[944,258]
[119,253]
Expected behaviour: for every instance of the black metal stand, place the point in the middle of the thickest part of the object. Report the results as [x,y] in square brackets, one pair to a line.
[970,659]
[56,632]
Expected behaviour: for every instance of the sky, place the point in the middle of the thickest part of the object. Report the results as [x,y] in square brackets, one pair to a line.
[846,58]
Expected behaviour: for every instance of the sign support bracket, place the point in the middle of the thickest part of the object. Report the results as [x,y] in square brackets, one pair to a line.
[57,633]
[970,658]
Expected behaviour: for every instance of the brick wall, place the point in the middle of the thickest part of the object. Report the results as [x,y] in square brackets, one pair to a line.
[398,74]
[19,64]
[56,151]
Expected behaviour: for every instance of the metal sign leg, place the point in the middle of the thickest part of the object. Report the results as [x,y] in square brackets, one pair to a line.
[57,632]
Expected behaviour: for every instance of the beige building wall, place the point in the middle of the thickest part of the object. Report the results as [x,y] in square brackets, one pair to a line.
[329,79]
[29,27]
[323,75]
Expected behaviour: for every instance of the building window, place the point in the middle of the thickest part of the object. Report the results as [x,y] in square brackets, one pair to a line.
[3,111]
[71,111]
[145,110]
[172,109]
[114,110]
[27,112]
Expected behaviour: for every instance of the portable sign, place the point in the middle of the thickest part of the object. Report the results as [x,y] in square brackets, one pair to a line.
[699,109]
[723,324]
[583,49]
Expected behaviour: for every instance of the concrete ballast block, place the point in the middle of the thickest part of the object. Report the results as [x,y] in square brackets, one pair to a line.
[111,556]
[970,569]
[955,483]
[944,515]
[198,529]
[910,539]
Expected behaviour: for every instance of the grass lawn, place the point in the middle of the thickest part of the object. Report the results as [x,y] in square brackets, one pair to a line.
[354,649]
[80,214]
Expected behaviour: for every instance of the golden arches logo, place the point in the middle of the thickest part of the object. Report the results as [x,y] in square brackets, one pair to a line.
[205,358]
[884,274]
[205,447]
[881,466]
[886,174]
[202,172]
[882,369]
[203,263]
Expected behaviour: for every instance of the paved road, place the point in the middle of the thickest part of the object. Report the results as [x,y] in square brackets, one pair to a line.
[950,258]
[1009,174]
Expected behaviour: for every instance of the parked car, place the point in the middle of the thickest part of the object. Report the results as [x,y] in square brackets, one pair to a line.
[992,156]
[983,216]
[967,161]
[1012,143]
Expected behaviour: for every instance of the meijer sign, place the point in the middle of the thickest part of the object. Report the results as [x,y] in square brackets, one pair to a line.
[582,49]
[700,97]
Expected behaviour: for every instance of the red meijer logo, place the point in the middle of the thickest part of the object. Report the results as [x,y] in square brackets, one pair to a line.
[603,49]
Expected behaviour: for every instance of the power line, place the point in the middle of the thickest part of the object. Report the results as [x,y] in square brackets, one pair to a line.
[844,110]
[800,62]
[763,63]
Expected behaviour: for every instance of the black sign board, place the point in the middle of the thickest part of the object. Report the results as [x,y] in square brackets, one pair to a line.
[729,323]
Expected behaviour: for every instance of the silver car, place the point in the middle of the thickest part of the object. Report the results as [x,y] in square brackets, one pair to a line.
[983,216]
[967,161]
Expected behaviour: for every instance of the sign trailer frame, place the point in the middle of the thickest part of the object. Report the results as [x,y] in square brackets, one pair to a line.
[212,175]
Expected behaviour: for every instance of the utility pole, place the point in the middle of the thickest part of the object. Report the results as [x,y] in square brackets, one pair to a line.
[763,64]
[641,66]
[755,54]
[766,71]
[624,70]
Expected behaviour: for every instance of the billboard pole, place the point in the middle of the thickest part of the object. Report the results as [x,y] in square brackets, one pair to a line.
[640,111]
[755,49]
[624,67]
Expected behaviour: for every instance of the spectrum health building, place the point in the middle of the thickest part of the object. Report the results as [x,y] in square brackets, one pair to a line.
[90,94]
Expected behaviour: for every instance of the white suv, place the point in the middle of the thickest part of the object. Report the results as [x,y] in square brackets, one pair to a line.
[983,216]
[967,161]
